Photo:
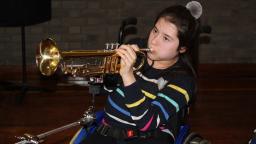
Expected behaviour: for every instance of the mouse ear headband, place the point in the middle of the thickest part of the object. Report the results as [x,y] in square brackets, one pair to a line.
[195,9]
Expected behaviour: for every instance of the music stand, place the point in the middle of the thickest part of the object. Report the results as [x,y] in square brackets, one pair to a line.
[16,13]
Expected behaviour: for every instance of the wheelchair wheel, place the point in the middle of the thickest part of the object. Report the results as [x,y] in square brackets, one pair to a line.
[195,138]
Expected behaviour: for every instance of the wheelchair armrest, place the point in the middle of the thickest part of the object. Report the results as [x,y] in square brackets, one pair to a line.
[183,132]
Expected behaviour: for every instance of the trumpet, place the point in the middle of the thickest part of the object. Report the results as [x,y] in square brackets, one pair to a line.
[97,62]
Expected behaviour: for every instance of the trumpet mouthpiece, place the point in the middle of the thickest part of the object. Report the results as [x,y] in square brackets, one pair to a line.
[145,49]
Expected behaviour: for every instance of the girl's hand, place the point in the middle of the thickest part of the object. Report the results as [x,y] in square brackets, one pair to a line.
[128,59]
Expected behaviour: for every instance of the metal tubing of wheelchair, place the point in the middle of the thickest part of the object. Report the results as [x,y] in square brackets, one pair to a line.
[43,135]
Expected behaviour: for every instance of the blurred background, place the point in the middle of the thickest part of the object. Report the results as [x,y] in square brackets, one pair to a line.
[224,59]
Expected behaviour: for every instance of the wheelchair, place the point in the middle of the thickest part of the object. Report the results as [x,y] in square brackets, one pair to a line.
[184,135]
[253,139]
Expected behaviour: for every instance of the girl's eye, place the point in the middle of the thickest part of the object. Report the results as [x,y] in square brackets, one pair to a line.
[154,30]
[166,39]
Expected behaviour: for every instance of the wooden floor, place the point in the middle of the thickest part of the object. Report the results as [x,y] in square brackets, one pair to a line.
[225,111]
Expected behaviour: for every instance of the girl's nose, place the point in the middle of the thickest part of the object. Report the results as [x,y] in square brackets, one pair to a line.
[154,39]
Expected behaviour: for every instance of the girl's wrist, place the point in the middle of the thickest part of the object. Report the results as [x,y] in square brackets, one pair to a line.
[128,79]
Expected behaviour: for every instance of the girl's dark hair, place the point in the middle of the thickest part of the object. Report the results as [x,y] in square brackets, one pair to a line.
[180,16]
[186,24]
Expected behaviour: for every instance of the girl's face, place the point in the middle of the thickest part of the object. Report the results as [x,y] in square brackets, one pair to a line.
[163,42]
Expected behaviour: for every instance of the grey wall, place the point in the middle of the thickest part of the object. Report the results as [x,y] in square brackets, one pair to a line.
[89,24]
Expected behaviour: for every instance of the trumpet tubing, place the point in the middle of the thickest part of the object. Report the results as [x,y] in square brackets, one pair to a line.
[49,57]
[88,53]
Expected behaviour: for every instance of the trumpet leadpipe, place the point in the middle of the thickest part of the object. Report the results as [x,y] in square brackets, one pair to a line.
[92,53]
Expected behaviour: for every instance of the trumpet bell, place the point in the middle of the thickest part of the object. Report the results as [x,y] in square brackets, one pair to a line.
[47,57]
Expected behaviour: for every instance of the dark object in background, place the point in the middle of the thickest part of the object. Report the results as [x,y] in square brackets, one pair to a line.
[15,13]
[21,13]
[128,26]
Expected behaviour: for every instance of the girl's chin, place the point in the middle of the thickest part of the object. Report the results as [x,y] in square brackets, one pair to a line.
[152,56]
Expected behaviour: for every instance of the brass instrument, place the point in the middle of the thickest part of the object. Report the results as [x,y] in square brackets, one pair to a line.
[49,57]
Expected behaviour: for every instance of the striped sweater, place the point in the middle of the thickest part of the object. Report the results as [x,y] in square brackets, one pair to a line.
[151,101]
